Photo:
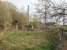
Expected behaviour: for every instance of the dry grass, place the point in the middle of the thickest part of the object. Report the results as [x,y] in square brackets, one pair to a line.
[10,40]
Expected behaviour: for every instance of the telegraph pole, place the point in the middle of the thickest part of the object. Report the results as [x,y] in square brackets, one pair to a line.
[28,14]
[28,9]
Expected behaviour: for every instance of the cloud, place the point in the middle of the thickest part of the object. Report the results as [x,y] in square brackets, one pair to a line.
[3,0]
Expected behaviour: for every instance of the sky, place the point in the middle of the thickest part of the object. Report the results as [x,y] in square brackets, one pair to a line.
[24,3]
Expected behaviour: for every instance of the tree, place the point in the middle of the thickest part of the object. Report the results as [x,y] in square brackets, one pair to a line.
[36,23]
[9,14]
[59,11]
[43,9]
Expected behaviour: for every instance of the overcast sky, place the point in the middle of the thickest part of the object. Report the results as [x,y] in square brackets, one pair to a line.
[20,3]
[24,3]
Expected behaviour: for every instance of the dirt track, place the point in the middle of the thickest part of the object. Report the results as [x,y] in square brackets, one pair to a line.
[63,43]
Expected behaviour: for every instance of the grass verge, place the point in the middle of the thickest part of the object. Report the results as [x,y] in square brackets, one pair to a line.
[27,41]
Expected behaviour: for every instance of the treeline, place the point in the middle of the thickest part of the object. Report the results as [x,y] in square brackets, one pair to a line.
[11,17]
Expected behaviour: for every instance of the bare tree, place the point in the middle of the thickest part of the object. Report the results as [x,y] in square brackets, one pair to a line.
[59,11]
[44,10]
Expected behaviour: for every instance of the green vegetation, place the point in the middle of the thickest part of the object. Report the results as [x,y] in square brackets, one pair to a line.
[21,40]
[28,40]
[10,16]
[33,39]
